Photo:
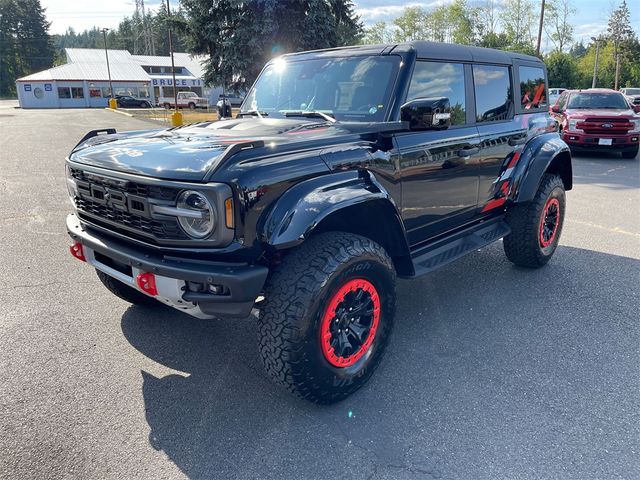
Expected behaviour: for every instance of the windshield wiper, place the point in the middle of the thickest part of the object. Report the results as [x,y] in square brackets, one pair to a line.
[310,114]
[255,113]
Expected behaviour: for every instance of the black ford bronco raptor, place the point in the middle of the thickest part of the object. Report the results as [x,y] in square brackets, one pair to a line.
[343,169]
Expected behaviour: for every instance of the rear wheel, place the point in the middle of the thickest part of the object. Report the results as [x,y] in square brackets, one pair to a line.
[327,316]
[537,225]
[631,154]
[125,292]
[192,106]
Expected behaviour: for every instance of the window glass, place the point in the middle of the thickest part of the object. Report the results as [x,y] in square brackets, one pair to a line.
[587,100]
[95,92]
[349,88]
[532,88]
[493,93]
[435,79]
[562,101]
[64,92]
[77,92]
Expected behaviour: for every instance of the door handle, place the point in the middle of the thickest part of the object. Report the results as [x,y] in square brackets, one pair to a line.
[467,152]
[517,141]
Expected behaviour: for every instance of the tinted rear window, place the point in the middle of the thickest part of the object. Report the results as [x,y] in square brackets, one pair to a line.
[493,93]
[533,94]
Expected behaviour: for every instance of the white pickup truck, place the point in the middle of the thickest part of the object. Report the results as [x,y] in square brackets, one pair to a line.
[185,100]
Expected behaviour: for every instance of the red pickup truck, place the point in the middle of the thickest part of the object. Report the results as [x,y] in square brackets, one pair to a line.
[598,119]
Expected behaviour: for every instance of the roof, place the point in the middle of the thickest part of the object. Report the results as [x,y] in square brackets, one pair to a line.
[90,64]
[429,50]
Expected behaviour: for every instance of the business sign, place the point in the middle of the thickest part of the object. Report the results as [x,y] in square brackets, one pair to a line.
[47,87]
[168,82]
[27,87]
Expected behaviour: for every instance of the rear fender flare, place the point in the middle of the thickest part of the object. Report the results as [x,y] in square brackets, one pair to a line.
[543,153]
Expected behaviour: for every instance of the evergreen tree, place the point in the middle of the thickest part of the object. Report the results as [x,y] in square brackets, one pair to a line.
[239,37]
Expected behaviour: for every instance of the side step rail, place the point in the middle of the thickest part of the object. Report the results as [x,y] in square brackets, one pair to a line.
[442,252]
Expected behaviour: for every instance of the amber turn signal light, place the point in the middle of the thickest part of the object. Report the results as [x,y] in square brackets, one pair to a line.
[228,212]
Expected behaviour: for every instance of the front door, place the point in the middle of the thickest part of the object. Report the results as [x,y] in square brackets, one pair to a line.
[438,168]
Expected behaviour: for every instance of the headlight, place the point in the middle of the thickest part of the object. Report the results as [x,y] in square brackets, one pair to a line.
[636,126]
[202,223]
[571,126]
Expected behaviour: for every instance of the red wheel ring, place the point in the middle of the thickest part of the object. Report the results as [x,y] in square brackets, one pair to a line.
[344,338]
[549,222]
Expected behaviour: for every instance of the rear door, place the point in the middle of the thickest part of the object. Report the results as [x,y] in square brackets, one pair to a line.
[439,182]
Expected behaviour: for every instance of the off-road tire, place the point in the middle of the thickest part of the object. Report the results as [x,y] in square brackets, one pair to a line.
[630,155]
[125,292]
[523,246]
[296,298]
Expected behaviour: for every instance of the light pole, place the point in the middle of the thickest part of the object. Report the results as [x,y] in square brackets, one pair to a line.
[540,29]
[176,117]
[112,100]
[595,64]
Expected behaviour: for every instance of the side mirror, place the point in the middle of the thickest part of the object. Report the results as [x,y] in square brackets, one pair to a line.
[427,113]
[556,108]
[636,107]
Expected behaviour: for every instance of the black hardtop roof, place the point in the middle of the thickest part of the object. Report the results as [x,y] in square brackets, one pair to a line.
[427,50]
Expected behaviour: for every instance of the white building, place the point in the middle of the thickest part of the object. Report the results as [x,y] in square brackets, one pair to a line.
[84,82]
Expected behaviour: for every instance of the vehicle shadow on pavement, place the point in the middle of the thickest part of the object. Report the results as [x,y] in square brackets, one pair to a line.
[492,369]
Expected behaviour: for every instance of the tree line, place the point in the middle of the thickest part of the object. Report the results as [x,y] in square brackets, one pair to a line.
[513,24]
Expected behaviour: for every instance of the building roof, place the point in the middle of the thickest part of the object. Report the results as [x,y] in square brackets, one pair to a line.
[90,64]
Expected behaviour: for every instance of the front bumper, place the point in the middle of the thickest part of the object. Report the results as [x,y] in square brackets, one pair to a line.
[619,143]
[242,283]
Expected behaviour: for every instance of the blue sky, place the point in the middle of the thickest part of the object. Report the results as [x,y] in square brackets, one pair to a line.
[590,19]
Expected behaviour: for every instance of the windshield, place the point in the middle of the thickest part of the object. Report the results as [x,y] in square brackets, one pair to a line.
[632,91]
[352,89]
[598,100]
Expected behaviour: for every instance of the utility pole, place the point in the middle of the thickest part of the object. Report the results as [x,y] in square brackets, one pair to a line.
[595,65]
[176,117]
[617,71]
[540,29]
[112,101]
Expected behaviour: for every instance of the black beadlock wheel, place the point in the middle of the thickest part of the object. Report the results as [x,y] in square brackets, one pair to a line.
[536,226]
[125,292]
[327,316]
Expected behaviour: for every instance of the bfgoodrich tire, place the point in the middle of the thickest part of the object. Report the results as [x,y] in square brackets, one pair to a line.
[536,226]
[327,316]
[125,292]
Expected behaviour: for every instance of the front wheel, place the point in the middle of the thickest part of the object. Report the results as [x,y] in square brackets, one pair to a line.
[327,316]
[536,226]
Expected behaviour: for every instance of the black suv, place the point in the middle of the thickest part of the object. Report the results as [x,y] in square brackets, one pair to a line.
[344,169]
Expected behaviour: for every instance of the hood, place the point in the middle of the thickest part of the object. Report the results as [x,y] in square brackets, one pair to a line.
[577,113]
[190,153]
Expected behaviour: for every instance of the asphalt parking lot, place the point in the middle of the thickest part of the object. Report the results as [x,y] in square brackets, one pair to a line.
[493,372]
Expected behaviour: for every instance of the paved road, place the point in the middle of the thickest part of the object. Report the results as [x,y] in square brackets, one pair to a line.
[493,372]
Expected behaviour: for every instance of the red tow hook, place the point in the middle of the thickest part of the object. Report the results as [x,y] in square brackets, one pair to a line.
[147,283]
[77,251]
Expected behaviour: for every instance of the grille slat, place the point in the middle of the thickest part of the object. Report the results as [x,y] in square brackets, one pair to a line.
[165,229]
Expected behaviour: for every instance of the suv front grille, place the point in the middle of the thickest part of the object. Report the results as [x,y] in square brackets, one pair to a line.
[122,206]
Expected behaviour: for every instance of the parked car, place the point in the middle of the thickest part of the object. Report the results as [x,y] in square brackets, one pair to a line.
[598,119]
[554,94]
[233,100]
[127,101]
[633,94]
[345,169]
[189,100]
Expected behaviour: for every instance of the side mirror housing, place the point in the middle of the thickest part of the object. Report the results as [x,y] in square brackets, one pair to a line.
[555,108]
[427,113]
[636,107]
